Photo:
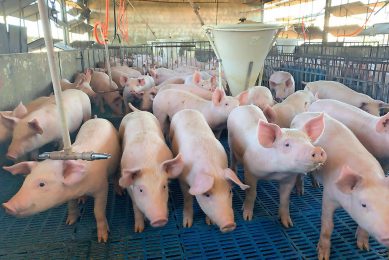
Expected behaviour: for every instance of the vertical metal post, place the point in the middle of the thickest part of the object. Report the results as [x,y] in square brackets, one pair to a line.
[54,74]
[326,20]
[65,21]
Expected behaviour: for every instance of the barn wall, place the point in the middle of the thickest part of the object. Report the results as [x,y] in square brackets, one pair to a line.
[176,20]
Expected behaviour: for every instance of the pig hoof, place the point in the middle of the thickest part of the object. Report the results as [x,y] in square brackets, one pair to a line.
[82,200]
[287,222]
[71,219]
[102,233]
[362,239]
[187,222]
[208,221]
[323,253]
[247,215]
[118,190]
[139,227]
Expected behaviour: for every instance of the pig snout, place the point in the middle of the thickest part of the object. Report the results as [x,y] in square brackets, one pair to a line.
[228,227]
[10,209]
[278,100]
[159,222]
[318,155]
[384,241]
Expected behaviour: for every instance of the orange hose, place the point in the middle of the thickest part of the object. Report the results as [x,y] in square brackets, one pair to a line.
[303,29]
[103,26]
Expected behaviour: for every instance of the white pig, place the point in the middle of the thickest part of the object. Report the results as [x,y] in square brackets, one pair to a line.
[352,179]
[146,165]
[282,83]
[169,102]
[41,126]
[336,90]
[257,95]
[271,153]
[205,174]
[51,183]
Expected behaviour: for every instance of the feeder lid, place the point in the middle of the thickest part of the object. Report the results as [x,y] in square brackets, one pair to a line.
[243,27]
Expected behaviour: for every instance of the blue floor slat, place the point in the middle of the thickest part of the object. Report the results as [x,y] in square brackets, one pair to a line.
[46,236]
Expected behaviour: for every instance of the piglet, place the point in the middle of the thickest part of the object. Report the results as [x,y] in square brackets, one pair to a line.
[257,95]
[82,82]
[169,102]
[41,126]
[352,179]
[205,174]
[336,90]
[202,80]
[51,183]
[282,84]
[201,92]
[272,153]
[145,174]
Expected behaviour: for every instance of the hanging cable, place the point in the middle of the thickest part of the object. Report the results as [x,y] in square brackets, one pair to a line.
[103,26]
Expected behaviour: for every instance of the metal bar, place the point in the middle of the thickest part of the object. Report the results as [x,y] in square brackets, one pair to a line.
[54,74]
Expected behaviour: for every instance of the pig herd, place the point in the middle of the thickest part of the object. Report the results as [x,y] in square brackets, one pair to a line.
[327,130]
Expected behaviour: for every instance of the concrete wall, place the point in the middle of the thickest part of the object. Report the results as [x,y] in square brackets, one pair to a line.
[175,20]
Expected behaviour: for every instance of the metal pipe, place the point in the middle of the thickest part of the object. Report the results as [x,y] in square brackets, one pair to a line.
[54,75]
[219,60]
[108,65]
[61,155]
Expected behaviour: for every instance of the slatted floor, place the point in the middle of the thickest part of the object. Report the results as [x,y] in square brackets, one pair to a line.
[46,236]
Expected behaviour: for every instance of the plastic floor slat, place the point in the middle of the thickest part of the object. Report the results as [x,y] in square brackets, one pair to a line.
[46,236]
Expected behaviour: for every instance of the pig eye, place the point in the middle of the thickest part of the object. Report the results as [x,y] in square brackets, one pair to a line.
[164,187]
[226,104]
[363,205]
[207,195]
[42,184]
[140,190]
[287,144]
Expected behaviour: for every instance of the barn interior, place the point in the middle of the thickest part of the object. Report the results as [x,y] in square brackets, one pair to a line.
[345,41]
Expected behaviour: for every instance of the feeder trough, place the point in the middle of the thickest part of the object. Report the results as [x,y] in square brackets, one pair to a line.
[242,49]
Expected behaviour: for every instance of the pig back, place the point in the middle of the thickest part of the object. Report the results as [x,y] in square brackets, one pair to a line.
[139,122]
[100,136]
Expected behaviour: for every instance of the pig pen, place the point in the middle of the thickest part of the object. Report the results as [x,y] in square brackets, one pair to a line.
[46,236]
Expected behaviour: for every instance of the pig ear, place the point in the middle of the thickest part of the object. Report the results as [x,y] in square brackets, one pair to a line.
[348,180]
[268,133]
[153,73]
[272,84]
[213,81]
[21,168]
[383,124]
[217,96]
[142,82]
[9,121]
[314,127]
[270,114]
[34,125]
[196,77]
[73,172]
[202,184]
[128,177]
[230,175]
[289,83]
[20,111]
[363,106]
[173,167]
[243,98]
[123,80]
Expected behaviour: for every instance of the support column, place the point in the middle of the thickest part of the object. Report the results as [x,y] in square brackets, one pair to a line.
[65,21]
[326,20]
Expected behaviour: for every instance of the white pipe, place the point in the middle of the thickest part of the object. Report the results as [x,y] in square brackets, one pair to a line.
[54,74]
[219,60]
[107,57]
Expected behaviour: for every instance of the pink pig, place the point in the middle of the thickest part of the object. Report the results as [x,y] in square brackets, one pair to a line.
[271,153]
[206,175]
[282,83]
[257,95]
[352,179]
[335,90]
[51,183]
[82,82]
[216,112]
[145,175]
[202,80]
[41,126]
[203,93]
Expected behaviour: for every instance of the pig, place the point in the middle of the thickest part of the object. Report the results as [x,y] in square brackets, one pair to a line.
[5,128]
[161,74]
[372,131]
[202,80]
[352,179]
[272,153]
[82,82]
[203,93]
[145,175]
[108,93]
[216,112]
[129,72]
[173,80]
[205,175]
[139,90]
[53,182]
[257,95]
[282,84]
[336,90]
[283,113]
[41,126]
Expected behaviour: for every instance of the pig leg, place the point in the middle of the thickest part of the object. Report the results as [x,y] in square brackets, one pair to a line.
[233,161]
[251,194]
[73,212]
[82,199]
[286,187]
[187,220]
[327,226]
[362,239]
[99,210]
[100,102]
[139,219]
[218,134]
[300,184]
[208,221]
